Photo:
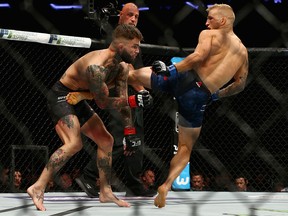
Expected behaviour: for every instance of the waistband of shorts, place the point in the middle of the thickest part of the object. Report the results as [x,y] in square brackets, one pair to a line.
[200,84]
[60,86]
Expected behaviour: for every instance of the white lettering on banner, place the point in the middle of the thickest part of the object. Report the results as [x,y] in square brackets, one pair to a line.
[182,181]
[62,40]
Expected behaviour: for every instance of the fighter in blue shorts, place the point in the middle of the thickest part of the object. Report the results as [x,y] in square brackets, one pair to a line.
[182,80]
[190,92]
[218,59]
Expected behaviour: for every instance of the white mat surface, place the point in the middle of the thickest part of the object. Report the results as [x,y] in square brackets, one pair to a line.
[178,203]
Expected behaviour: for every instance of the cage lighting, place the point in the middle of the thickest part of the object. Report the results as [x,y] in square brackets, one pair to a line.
[192,5]
[5,5]
[66,7]
[143,8]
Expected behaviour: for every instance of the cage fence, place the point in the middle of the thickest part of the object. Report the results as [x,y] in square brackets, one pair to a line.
[246,133]
[243,134]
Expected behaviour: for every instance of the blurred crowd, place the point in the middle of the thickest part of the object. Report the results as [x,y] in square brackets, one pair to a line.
[65,181]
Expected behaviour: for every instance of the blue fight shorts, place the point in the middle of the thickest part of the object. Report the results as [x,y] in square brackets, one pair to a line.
[190,93]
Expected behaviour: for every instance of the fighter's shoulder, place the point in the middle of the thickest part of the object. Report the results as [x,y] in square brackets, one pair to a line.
[206,32]
[95,54]
[238,41]
[243,50]
[93,57]
[211,31]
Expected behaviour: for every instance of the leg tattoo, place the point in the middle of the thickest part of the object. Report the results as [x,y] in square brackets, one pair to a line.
[57,160]
[105,166]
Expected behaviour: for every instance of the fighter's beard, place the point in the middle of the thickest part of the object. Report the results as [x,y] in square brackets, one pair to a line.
[126,57]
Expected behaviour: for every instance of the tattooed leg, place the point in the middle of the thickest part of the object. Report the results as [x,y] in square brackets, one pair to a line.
[106,195]
[57,160]
[104,166]
[36,191]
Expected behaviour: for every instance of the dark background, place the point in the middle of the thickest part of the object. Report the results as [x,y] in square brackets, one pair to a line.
[247,132]
[261,23]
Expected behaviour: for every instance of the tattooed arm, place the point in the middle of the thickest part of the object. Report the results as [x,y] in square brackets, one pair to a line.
[75,97]
[239,82]
[99,77]
[121,88]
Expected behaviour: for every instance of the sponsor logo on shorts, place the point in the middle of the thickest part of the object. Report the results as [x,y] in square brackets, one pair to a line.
[61,99]
[199,84]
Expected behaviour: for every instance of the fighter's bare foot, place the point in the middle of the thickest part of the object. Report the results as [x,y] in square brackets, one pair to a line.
[110,197]
[37,196]
[160,199]
[75,97]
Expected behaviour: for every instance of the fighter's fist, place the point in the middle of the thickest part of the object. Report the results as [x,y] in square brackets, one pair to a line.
[140,99]
[160,68]
[131,141]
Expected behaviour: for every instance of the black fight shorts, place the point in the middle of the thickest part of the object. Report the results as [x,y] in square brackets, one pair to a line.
[59,108]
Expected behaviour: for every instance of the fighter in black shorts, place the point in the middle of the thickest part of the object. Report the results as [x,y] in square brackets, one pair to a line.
[96,72]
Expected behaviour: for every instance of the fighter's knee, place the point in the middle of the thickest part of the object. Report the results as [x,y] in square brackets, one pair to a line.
[107,143]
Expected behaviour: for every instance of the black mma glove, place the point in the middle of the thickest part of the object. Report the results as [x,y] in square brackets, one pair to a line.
[140,99]
[160,68]
[131,141]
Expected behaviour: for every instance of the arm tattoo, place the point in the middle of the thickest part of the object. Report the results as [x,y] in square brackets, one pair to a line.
[235,87]
[97,77]
[97,85]
[238,85]
[127,116]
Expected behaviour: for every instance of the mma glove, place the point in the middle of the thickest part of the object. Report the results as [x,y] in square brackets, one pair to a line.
[131,140]
[140,99]
[213,97]
[160,68]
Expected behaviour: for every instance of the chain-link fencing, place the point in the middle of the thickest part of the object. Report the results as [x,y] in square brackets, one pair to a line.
[246,133]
